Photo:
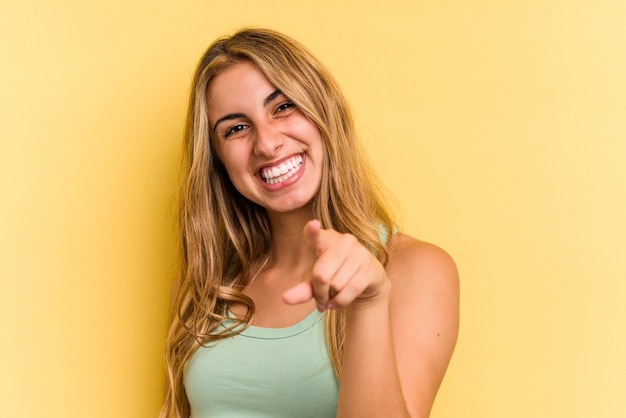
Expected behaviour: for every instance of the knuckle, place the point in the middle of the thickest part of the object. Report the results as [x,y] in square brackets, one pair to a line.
[356,286]
[319,275]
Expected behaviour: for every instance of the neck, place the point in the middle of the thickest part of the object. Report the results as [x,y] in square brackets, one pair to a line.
[288,247]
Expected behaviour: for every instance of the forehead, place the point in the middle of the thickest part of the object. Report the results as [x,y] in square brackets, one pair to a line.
[242,84]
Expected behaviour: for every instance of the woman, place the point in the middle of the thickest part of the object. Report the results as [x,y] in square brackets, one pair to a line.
[297,296]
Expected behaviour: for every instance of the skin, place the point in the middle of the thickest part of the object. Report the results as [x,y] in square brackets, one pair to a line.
[402,319]
[254,126]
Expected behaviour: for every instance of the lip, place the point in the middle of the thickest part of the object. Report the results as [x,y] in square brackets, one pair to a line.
[291,180]
[277,162]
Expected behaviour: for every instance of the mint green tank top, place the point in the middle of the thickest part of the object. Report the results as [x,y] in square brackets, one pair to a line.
[265,373]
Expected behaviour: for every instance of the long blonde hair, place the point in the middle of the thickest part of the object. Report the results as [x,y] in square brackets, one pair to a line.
[224,237]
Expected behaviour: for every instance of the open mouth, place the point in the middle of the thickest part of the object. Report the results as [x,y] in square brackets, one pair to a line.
[283,171]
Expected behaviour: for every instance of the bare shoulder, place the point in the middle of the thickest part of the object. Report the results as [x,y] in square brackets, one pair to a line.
[424,292]
[413,260]
[424,311]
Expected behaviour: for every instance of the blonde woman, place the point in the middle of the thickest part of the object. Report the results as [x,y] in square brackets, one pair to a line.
[297,295]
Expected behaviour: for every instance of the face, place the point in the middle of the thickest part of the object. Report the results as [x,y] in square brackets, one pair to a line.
[272,152]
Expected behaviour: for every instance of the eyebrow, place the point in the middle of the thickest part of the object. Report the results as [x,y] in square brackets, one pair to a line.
[271,97]
[231,116]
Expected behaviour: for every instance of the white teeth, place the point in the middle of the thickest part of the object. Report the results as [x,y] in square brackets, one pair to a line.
[282,172]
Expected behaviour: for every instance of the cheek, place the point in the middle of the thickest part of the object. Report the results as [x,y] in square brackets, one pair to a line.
[319,149]
[227,155]
[236,174]
[224,164]
[236,168]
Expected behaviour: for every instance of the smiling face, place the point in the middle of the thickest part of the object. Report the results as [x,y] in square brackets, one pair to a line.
[272,152]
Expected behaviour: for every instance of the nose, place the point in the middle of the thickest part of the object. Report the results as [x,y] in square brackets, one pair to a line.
[267,141]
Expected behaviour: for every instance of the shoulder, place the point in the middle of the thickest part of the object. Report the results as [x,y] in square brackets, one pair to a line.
[424,314]
[411,259]
[424,285]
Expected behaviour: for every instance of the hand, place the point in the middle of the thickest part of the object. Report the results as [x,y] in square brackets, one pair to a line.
[344,272]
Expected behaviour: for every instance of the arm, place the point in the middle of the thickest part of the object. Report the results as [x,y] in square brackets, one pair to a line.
[398,347]
[402,321]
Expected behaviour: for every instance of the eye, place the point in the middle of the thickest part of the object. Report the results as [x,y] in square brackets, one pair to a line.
[285,106]
[234,130]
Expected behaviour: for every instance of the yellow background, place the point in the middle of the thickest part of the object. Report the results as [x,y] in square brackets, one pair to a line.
[499,125]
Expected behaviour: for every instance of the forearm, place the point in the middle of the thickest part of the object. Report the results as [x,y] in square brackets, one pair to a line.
[370,384]
[391,367]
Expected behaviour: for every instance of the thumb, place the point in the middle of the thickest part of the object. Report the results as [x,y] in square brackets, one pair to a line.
[300,293]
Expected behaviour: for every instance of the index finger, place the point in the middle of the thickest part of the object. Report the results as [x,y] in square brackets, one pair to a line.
[316,237]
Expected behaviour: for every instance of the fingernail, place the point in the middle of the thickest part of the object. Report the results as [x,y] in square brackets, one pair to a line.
[331,306]
[321,308]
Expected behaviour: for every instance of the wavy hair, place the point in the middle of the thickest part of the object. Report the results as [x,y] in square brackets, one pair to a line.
[224,238]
